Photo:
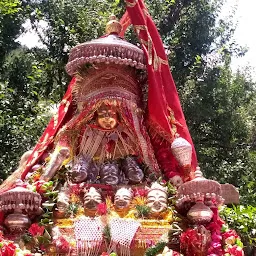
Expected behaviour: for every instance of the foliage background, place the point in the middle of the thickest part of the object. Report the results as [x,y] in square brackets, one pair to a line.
[220,106]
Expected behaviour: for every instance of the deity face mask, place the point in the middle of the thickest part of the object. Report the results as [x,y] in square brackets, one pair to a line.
[157,199]
[91,199]
[109,174]
[79,171]
[123,198]
[62,201]
[107,117]
[132,171]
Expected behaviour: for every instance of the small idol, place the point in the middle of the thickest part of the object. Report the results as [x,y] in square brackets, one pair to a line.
[123,198]
[157,199]
[92,198]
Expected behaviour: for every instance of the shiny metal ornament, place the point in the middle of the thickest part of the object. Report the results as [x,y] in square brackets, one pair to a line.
[157,199]
[20,198]
[132,170]
[200,213]
[93,173]
[111,49]
[17,222]
[110,173]
[63,201]
[182,151]
[123,198]
[92,198]
[79,172]
[22,201]
[198,189]
[107,117]
[113,26]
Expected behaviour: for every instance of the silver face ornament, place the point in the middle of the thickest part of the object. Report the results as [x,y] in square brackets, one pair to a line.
[63,201]
[80,170]
[93,173]
[157,199]
[92,198]
[110,174]
[132,171]
[123,198]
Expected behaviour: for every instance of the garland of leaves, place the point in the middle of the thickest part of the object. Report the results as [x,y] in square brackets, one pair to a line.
[154,250]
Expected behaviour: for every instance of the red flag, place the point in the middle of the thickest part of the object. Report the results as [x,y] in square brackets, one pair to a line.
[126,22]
[164,109]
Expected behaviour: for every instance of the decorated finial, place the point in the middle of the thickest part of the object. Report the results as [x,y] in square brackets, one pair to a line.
[113,26]
[182,151]
[199,174]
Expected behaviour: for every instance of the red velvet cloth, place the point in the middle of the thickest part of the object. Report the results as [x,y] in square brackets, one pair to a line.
[162,95]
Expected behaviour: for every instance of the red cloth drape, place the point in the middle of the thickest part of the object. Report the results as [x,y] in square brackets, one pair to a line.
[65,112]
[163,99]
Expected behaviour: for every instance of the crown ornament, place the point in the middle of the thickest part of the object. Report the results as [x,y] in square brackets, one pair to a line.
[201,189]
[106,82]
[124,190]
[113,26]
[110,49]
[157,187]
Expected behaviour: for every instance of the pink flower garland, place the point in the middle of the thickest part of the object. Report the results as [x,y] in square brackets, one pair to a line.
[215,228]
[224,240]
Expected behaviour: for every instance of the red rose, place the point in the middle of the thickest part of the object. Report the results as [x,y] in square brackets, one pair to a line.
[38,185]
[8,249]
[75,189]
[62,245]
[102,209]
[235,251]
[140,192]
[229,233]
[42,248]
[36,230]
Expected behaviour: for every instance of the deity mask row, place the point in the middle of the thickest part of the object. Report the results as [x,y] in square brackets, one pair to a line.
[110,173]
[156,199]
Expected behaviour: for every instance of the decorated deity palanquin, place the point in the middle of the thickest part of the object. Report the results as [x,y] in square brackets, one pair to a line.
[115,173]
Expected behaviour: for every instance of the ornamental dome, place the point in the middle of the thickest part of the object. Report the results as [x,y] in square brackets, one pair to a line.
[108,49]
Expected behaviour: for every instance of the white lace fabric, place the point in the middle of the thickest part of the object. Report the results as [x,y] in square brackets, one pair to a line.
[122,232]
[89,236]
